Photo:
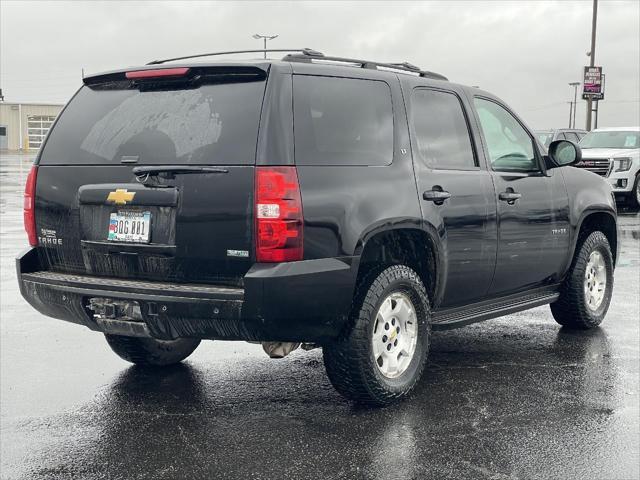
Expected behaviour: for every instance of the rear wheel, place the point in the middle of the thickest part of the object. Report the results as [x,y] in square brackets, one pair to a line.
[150,351]
[586,292]
[383,355]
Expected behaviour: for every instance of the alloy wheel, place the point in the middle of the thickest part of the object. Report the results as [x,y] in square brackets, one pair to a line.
[395,335]
[595,280]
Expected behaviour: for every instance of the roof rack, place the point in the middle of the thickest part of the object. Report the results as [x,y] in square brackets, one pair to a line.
[305,51]
[403,67]
[308,55]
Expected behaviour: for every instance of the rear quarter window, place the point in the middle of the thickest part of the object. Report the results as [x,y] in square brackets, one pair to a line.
[342,121]
[211,124]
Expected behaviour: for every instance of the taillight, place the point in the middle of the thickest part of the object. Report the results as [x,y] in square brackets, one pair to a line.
[158,72]
[30,206]
[278,215]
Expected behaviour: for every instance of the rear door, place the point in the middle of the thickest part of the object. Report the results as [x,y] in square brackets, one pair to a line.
[456,193]
[192,221]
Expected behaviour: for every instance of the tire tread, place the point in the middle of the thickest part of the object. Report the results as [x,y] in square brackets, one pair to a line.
[347,359]
[149,351]
[570,310]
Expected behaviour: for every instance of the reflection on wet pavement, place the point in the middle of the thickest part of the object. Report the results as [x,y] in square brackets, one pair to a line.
[517,397]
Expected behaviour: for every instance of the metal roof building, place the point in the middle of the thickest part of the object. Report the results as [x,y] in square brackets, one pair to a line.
[23,126]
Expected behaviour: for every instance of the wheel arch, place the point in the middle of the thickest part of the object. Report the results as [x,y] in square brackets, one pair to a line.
[595,220]
[416,247]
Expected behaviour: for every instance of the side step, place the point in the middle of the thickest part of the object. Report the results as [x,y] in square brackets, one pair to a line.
[460,316]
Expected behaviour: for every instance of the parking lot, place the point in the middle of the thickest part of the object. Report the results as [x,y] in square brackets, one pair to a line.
[516,397]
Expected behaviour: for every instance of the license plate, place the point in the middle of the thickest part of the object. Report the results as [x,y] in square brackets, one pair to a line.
[129,226]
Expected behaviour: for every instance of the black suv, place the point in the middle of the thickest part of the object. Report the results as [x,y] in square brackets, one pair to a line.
[327,201]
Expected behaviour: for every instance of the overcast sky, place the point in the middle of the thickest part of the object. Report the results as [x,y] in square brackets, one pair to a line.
[525,52]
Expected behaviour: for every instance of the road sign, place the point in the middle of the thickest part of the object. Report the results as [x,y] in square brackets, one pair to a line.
[593,84]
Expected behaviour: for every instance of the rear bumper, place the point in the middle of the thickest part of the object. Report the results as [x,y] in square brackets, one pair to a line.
[298,301]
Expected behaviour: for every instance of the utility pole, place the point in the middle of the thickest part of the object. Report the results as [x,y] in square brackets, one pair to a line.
[575,103]
[595,123]
[570,112]
[592,60]
[264,38]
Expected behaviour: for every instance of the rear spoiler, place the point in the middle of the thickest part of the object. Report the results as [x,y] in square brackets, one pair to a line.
[191,74]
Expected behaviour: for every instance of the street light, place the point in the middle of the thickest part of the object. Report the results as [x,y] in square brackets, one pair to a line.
[265,38]
[575,103]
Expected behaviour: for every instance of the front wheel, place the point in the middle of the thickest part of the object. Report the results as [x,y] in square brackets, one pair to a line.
[151,351]
[586,292]
[634,196]
[382,357]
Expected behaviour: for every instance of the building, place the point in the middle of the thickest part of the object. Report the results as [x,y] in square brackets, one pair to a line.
[23,126]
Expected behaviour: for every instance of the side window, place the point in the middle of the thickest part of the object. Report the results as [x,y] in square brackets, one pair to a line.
[509,145]
[342,121]
[572,136]
[561,136]
[441,131]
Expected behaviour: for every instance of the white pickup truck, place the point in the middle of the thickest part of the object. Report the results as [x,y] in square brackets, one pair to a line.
[614,153]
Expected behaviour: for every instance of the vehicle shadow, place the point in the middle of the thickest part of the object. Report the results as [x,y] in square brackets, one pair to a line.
[488,389]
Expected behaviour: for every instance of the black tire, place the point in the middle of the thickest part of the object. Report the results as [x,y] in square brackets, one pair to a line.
[634,196]
[350,361]
[150,351]
[571,309]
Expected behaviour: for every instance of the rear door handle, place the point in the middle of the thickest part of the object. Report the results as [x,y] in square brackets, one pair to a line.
[509,196]
[436,196]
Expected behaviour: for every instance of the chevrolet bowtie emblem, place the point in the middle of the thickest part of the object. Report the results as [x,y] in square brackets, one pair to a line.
[120,196]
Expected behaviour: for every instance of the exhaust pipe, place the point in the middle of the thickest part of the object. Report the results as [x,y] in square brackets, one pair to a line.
[279,349]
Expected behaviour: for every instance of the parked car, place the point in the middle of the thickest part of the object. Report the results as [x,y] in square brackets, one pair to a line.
[307,200]
[547,136]
[614,153]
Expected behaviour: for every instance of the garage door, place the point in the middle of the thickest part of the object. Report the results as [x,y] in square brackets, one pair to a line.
[38,127]
[3,137]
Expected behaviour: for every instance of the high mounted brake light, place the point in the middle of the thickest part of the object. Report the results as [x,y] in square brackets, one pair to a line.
[158,72]
[278,210]
[29,206]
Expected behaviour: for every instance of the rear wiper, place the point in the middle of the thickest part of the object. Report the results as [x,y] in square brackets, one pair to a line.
[150,175]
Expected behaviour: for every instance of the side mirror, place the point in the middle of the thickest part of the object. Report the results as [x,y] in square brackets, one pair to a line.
[563,153]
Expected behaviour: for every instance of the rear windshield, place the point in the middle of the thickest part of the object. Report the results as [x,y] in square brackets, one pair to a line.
[212,124]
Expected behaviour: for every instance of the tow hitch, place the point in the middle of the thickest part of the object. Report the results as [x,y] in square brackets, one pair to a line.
[118,317]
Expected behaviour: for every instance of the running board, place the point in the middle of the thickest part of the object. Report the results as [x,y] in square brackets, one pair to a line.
[477,312]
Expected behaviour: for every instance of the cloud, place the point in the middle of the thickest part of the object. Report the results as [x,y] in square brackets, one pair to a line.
[526,53]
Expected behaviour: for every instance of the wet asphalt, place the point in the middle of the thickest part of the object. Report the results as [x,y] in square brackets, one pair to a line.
[513,398]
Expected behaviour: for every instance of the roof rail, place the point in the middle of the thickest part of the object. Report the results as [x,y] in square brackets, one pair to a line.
[305,57]
[305,51]
[308,55]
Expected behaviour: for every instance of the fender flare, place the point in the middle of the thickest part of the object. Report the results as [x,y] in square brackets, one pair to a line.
[418,225]
[576,233]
